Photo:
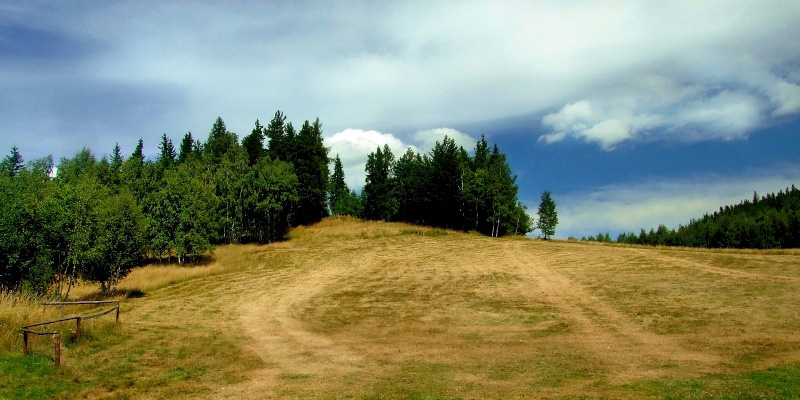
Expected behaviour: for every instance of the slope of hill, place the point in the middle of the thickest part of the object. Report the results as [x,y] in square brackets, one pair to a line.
[382,310]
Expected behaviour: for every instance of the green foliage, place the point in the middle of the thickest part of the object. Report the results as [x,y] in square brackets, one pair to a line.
[548,217]
[768,222]
[254,144]
[231,179]
[447,188]
[219,142]
[273,201]
[310,160]
[13,163]
[194,203]
[338,188]
[187,149]
[96,220]
[379,200]
[120,241]
[167,152]
[278,135]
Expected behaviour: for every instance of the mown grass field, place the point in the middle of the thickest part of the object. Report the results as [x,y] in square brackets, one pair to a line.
[349,309]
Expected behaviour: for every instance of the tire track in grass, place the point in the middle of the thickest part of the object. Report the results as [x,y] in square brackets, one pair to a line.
[602,329]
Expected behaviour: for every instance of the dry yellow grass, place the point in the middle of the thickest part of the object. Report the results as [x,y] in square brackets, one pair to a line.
[381,310]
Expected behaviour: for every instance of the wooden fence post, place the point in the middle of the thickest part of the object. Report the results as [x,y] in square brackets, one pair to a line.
[117,312]
[57,348]
[24,342]
[78,328]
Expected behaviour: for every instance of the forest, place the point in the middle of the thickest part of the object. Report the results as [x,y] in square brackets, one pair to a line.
[768,222]
[96,219]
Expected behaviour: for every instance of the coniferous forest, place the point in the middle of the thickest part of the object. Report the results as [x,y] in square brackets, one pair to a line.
[96,219]
[768,222]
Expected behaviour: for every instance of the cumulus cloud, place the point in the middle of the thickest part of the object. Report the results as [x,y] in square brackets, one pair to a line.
[786,98]
[427,139]
[354,145]
[631,207]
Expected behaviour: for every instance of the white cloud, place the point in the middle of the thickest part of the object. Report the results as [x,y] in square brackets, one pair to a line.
[427,139]
[354,145]
[595,125]
[727,115]
[786,97]
[402,65]
[629,208]
[570,117]
[685,114]
[608,133]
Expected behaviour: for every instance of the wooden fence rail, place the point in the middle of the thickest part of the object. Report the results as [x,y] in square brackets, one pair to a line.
[56,343]
[78,319]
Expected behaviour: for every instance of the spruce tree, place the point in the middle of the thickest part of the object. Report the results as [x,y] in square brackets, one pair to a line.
[116,158]
[13,163]
[338,190]
[167,152]
[187,148]
[446,180]
[310,161]
[548,217]
[138,152]
[219,142]
[254,144]
[276,133]
[379,200]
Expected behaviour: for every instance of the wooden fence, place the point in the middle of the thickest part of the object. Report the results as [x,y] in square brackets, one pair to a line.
[26,330]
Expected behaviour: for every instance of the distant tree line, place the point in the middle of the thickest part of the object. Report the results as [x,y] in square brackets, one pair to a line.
[768,222]
[447,188]
[96,219]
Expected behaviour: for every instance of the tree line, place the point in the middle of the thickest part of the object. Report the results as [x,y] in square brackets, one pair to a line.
[446,188]
[95,219]
[768,222]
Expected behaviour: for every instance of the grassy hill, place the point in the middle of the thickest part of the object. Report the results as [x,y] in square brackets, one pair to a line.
[349,309]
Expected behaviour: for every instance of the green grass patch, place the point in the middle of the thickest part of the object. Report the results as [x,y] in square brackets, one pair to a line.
[35,377]
[424,232]
[782,382]
[295,377]
[416,380]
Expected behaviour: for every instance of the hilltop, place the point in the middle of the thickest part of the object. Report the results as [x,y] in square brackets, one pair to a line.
[350,309]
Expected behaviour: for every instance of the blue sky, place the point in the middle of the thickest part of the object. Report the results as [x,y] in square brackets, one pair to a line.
[631,114]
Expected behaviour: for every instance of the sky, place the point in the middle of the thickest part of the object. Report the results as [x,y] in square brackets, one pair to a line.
[632,114]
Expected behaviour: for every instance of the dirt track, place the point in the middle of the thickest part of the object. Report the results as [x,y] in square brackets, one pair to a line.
[377,312]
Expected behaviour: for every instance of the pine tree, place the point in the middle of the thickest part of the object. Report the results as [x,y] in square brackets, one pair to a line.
[410,187]
[138,152]
[167,152]
[446,163]
[481,154]
[219,142]
[276,133]
[187,148]
[379,200]
[548,217]
[116,158]
[254,144]
[310,160]
[13,163]
[338,189]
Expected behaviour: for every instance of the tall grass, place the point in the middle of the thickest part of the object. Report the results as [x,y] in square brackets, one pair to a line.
[17,310]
